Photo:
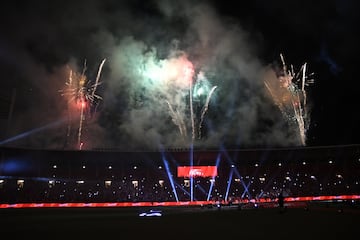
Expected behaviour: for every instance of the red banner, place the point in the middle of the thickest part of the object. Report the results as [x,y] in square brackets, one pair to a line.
[197,171]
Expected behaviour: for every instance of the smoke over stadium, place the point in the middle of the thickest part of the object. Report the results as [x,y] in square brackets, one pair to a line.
[175,75]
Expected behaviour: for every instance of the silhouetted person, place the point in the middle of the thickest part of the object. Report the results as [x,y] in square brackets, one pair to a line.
[281,200]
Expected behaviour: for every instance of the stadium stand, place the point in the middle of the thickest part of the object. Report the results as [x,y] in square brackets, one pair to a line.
[54,176]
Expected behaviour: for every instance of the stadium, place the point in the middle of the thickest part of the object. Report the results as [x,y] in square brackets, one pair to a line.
[70,191]
[179,119]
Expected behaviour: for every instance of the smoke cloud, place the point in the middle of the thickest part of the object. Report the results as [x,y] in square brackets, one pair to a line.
[157,54]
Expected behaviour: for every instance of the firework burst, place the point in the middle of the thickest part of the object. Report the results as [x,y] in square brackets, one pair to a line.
[287,89]
[81,93]
[187,95]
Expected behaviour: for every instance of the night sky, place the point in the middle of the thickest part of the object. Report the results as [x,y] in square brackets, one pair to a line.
[226,45]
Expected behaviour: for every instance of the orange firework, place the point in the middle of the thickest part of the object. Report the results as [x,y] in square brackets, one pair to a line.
[287,90]
[82,92]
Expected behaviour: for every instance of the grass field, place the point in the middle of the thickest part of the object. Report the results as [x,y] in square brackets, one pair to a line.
[314,221]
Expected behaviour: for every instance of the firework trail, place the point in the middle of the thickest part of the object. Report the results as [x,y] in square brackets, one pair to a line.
[177,119]
[82,118]
[192,112]
[287,90]
[205,109]
[81,98]
[80,94]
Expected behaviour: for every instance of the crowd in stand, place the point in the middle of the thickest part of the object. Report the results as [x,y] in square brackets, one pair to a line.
[137,184]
